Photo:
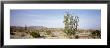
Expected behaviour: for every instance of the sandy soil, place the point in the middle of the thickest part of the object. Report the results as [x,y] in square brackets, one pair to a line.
[53,35]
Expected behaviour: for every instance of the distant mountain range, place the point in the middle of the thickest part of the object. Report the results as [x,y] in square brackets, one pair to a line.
[42,27]
[29,27]
[36,27]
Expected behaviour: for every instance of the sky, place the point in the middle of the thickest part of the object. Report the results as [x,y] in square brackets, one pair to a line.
[53,18]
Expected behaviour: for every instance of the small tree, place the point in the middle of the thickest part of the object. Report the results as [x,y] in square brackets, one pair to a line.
[71,23]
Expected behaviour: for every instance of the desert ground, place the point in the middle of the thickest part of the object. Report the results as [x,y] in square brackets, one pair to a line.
[49,34]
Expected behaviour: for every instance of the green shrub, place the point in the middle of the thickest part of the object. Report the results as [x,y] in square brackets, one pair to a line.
[12,33]
[76,37]
[35,34]
[96,33]
[48,32]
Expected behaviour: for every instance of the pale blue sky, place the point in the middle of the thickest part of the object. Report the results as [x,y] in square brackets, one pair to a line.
[53,18]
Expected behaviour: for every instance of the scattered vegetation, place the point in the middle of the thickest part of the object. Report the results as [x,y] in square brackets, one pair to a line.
[96,34]
[48,32]
[35,34]
[12,33]
[22,35]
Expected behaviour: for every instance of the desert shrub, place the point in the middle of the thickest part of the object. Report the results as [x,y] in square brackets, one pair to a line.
[35,34]
[11,30]
[48,32]
[22,35]
[12,33]
[76,37]
[54,36]
[96,33]
[22,30]
[27,32]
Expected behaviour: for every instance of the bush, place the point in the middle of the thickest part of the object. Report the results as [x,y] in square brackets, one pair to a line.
[96,33]
[48,32]
[22,35]
[35,34]
[76,36]
[12,33]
